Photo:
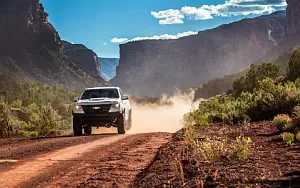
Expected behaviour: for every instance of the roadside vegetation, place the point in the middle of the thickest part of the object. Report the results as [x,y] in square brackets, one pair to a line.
[261,95]
[36,110]
[224,85]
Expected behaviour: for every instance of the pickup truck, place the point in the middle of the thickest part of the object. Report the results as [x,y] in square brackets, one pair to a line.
[102,107]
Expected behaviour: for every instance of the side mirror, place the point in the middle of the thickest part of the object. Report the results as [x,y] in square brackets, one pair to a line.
[76,99]
[125,97]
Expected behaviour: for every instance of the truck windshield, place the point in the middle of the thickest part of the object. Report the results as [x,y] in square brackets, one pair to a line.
[100,93]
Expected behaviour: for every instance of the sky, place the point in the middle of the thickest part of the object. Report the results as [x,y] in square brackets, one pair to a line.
[102,25]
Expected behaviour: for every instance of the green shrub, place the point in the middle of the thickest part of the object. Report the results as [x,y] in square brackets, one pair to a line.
[272,99]
[211,150]
[16,104]
[258,97]
[296,117]
[49,121]
[5,113]
[254,76]
[288,138]
[31,134]
[293,69]
[282,121]
[189,129]
[242,147]
[298,136]
[220,109]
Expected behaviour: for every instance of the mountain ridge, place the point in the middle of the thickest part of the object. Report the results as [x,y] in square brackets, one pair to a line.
[31,49]
[193,60]
[83,57]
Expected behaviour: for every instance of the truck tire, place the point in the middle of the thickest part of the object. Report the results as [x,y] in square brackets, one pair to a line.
[121,125]
[77,127]
[88,130]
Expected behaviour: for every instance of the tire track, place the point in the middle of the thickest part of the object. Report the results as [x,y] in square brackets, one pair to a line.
[30,169]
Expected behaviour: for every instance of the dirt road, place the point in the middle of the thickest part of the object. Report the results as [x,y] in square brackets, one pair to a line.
[107,160]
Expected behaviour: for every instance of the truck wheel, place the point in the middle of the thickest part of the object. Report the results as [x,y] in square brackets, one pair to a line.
[88,130]
[121,125]
[77,127]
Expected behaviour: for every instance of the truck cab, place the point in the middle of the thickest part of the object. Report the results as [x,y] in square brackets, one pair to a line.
[102,107]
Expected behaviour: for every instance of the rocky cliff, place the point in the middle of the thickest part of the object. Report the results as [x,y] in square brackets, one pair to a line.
[151,68]
[31,48]
[25,26]
[84,57]
[293,17]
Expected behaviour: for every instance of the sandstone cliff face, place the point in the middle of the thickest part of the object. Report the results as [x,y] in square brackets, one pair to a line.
[151,68]
[293,16]
[24,26]
[31,48]
[84,57]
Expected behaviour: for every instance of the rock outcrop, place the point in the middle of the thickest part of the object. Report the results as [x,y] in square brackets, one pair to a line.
[84,57]
[25,26]
[31,48]
[293,17]
[151,68]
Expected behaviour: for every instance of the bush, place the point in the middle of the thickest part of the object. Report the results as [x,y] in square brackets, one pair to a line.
[5,128]
[281,121]
[288,138]
[49,122]
[242,147]
[16,104]
[271,99]
[220,109]
[254,76]
[296,117]
[298,136]
[211,150]
[31,134]
[189,129]
[35,108]
[293,69]
[258,97]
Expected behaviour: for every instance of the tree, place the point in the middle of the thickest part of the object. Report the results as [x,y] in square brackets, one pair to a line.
[254,76]
[293,69]
[5,128]
[239,85]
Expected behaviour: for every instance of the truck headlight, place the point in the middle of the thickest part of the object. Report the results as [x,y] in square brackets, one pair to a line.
[77,107]
[115,107]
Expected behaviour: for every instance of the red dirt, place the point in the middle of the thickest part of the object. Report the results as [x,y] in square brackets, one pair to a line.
[271,162]
[99,161]
[116,165]
[21,149]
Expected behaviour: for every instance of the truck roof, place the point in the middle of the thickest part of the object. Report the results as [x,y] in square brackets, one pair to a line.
[104,87]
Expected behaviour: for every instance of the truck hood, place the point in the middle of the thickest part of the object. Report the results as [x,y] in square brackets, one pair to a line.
[97,101]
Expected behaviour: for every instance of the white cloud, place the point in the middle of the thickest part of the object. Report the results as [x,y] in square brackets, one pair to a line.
[169,16]
[172,20]
[229,8]
[104,43]
[119,40]
[160,37]
[197,14]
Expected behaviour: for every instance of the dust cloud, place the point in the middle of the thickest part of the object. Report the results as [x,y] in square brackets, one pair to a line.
[161,118]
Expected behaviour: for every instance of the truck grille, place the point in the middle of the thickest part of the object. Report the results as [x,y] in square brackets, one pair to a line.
[96,109]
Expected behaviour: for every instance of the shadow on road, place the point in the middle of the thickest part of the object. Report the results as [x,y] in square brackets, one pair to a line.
[69,136]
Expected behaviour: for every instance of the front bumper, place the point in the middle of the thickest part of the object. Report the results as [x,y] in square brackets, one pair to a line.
[97,119]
